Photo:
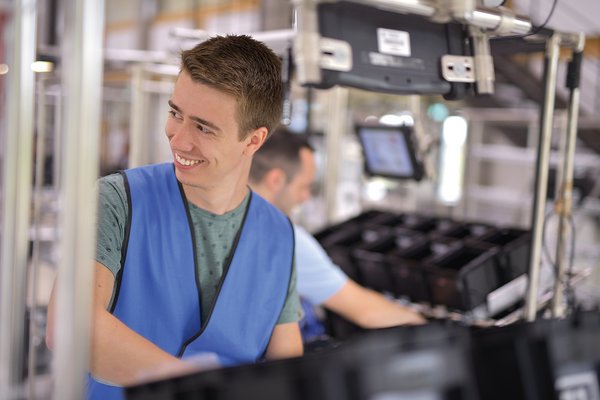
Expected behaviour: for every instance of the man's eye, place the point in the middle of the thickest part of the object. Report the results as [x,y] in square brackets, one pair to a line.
[203,129]
[174,114]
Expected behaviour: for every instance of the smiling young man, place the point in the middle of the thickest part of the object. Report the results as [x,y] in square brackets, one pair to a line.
[188,259]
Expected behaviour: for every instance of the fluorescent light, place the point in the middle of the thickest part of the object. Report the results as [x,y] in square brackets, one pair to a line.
[42,66]
[397,119]
[375,190]
[452,160]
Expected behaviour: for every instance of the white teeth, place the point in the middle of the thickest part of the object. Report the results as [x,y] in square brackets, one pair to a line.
[184,161]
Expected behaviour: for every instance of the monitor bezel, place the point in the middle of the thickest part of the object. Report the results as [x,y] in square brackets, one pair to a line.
[407,132]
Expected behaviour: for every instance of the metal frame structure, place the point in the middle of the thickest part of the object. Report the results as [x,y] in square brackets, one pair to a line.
[563,204]
[82,61]
[17,170]
[82,52]
[483,22]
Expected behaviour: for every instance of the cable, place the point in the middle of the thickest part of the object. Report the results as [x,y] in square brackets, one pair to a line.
[569,291]
[566,280]
[543,25]
[545,246]
[537,28]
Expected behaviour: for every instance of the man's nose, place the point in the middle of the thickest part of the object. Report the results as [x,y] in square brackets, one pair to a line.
[181,137]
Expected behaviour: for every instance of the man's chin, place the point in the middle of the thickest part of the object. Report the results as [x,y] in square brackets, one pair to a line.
[295,213]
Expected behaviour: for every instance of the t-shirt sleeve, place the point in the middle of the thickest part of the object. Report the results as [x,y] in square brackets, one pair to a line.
[292,311]
[111,221]
[318,277]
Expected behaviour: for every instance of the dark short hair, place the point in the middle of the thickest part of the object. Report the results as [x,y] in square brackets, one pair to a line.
[281,150]
[244,68]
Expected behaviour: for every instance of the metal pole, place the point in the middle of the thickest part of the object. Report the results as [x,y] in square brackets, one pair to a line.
[541,175]
[17,170]
[40,151]
[307,50]
[138,152]
[58,142]
[484,64]
[82,62]
[565,198]
[335,129]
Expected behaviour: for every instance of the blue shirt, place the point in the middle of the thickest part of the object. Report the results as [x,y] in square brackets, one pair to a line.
[318,277]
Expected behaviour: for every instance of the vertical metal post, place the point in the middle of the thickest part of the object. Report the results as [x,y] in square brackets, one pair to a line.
[82,62]
[58,141]
[16,202]
[565,194]
[541,175]
[40,156]
[335,129]
[484,64]
[307,49]
[138,152]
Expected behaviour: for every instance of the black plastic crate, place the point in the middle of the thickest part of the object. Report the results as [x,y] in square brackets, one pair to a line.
[463,277]
[463,231]
[542,360]
[400,361]
[343,234]
[408,267]
[388,219]
[340,243]
[339,327]
[424,362]
[409,279]
[418,223]
[370,259]
[367,218]
[514,245]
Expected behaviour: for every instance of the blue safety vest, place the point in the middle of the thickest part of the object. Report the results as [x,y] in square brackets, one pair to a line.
[158,292]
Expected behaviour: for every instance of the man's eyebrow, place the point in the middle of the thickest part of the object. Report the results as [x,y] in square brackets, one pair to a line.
[205,122]
[173,106]
[196,119]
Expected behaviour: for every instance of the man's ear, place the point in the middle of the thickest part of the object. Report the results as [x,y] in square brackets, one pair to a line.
[274,180]
[255,140]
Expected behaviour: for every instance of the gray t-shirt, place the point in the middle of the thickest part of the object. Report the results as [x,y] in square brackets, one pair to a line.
[214,238]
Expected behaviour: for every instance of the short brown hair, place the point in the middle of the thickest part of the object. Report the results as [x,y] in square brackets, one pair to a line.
[244,68]
[281,150]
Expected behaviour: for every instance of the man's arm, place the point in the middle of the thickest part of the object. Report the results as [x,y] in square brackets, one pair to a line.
[285,342]
[119,355]
[369,309]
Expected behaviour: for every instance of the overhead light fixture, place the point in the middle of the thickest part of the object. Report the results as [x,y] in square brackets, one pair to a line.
[3,69]
[42,66]
[452,160]
[397,119]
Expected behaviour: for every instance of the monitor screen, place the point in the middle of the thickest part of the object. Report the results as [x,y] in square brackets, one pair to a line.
[389,152]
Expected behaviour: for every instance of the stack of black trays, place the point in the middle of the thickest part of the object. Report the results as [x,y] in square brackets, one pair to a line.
[438,261]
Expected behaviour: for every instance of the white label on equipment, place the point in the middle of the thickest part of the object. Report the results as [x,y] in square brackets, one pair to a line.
[507,295]
[394,42]
[578,386]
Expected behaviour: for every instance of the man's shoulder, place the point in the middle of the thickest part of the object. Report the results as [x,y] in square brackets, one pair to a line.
[112,183]
[263,206]
[305,239]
